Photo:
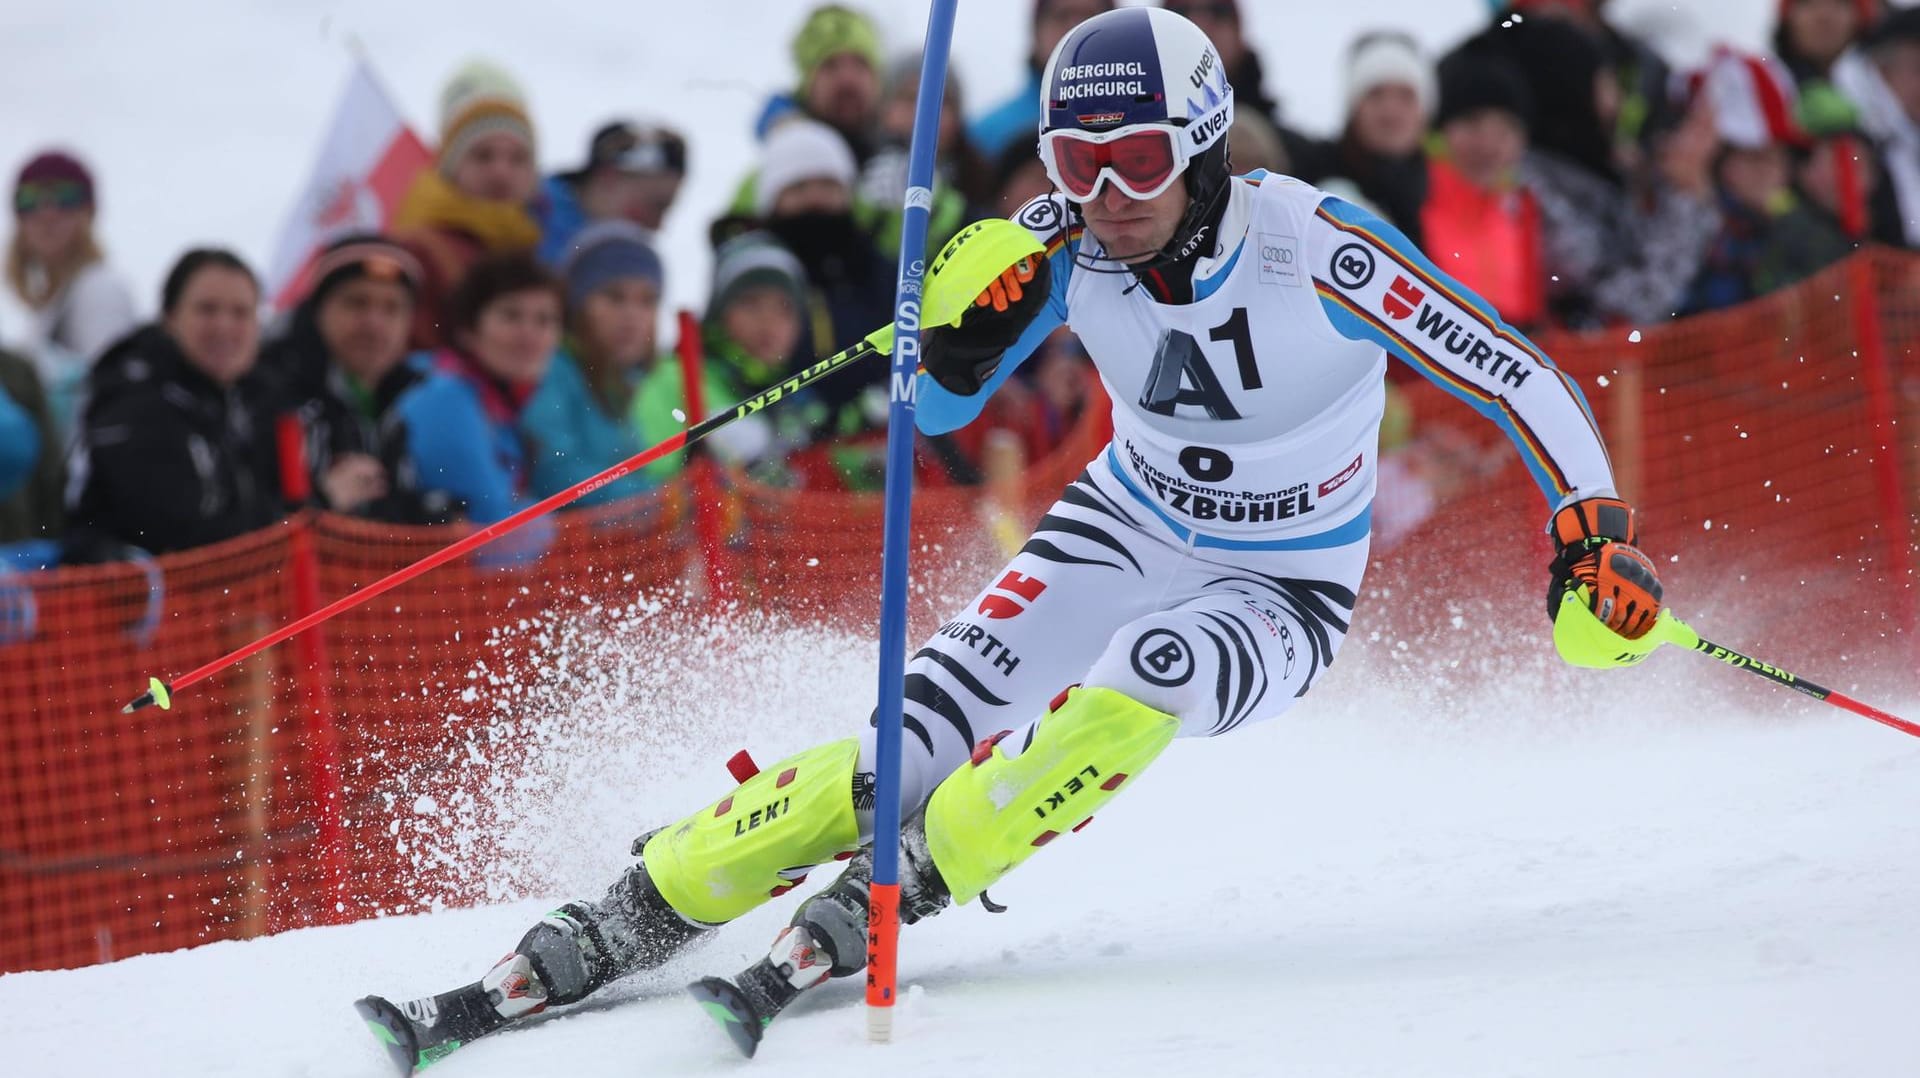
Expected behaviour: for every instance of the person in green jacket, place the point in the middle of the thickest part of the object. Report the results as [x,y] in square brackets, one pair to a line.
[752,329]
[577,419]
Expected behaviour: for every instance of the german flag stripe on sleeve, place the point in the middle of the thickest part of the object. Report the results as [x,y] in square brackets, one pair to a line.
[1061,238]
[1468,302]
[1540,460]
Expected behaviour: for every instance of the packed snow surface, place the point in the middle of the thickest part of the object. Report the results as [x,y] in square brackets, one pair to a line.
[1503,885]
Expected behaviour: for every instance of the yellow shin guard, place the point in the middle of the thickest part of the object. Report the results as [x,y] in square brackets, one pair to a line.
[728,858]
[991,814]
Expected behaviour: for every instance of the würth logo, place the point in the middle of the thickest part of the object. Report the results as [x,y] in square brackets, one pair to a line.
[1402,298]
[1000,606]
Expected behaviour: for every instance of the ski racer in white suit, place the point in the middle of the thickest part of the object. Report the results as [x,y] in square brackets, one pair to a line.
[1198,576]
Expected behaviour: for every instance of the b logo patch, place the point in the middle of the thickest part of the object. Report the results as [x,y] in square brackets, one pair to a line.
[1161,657]
[1040,215]
[1352,266]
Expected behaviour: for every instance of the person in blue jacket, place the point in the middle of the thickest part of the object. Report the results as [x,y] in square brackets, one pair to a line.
[1018,117]
[463,422]
[19,445]
[577,420]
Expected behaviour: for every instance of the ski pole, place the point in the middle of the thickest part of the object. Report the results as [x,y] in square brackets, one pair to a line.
[1678,632]
[967,265]
[1585,640]
[879,341]
[883,922]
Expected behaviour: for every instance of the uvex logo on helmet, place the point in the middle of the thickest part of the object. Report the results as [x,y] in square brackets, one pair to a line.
[1200,70]
[1202,133]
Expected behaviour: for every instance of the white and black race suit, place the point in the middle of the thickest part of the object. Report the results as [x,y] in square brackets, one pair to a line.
[1207,561]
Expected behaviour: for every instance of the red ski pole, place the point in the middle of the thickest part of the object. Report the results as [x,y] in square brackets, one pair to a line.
[878,342]
[1795,682]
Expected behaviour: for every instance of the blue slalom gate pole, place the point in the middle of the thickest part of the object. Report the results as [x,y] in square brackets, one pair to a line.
[883,925]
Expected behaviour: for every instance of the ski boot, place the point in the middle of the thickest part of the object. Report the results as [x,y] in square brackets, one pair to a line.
[757,842]
[572,952]
[981,822]
[827,938]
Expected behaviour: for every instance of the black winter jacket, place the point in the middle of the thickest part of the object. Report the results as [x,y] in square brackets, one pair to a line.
[165,459]
[338,418]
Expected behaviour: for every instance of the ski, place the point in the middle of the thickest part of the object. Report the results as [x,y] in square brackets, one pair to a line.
[419,1033]
[744,1007]
[401,1036]
[730,1009]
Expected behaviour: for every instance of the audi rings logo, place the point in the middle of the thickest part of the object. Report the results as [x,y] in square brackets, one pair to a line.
[1352,266]
[1279,256]
[1161,657]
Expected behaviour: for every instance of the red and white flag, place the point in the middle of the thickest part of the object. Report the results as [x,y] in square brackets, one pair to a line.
[369,159]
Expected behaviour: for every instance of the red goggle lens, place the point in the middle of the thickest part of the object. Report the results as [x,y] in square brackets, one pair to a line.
[1143,161]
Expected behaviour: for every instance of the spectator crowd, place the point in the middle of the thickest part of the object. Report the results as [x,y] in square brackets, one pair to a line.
[499,342]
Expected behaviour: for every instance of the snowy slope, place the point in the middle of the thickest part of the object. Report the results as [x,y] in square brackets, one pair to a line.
[203,119]
[1357,890]
[1354,891]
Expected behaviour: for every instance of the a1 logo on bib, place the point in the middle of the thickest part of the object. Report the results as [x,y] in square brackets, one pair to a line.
[1180,375]
[1161,657]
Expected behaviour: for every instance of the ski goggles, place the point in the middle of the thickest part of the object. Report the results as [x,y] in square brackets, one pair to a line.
[1141,161]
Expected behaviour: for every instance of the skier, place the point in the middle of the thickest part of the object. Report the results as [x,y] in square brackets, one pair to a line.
[1196,577]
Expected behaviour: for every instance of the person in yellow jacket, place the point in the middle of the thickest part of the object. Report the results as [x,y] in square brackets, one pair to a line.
[475,200]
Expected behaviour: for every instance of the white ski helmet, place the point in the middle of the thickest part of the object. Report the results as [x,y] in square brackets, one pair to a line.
[1137,97]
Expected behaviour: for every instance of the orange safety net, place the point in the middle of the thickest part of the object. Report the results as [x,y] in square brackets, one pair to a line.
[1747,438]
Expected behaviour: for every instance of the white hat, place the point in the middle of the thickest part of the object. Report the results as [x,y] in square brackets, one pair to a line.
[1381,59]
[799,150]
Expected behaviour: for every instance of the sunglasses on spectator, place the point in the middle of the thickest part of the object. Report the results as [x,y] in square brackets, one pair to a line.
[666,155]
[64,194]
